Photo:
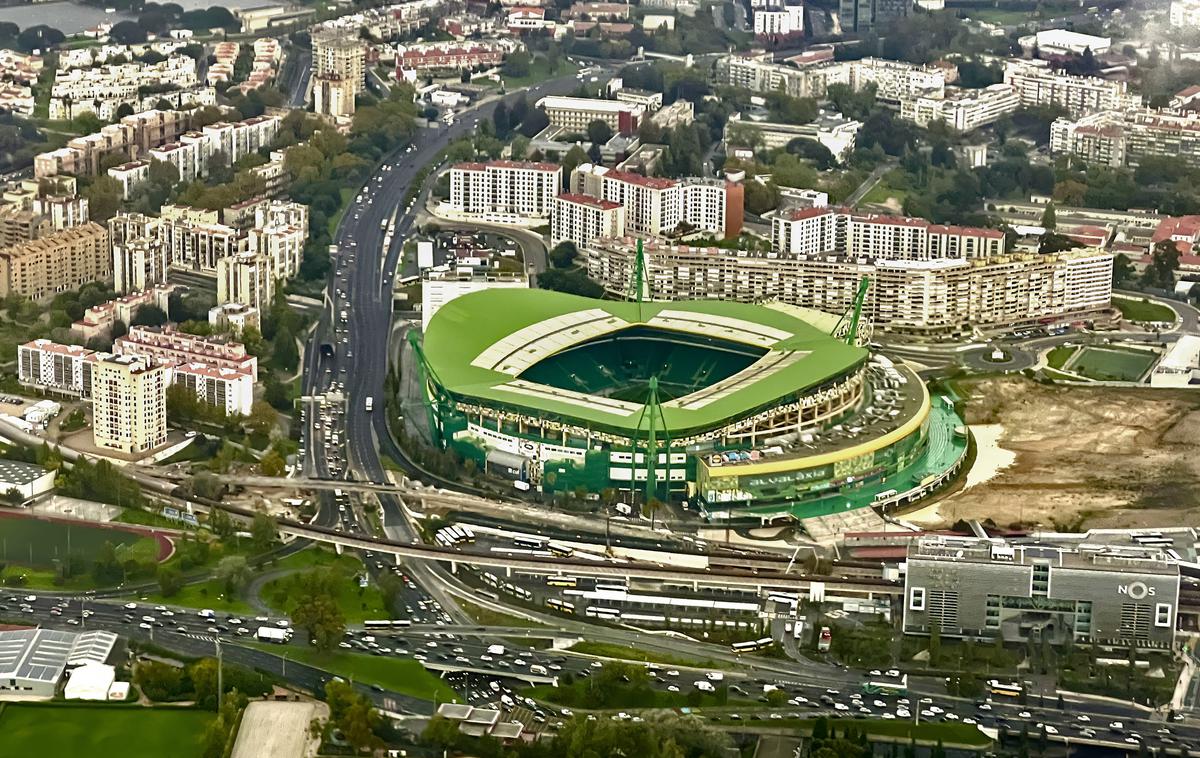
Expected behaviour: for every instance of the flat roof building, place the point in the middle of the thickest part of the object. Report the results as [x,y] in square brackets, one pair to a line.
[32,661]
[129,403]
[26,478]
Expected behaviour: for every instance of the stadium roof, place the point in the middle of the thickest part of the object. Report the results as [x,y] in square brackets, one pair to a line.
[479,344]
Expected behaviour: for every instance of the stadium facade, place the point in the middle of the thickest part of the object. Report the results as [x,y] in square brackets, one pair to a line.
[742,409]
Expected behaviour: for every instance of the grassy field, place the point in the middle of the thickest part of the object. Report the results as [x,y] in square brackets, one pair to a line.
[487,617]
[882,191]
[1107,364]
[634,654]
[357,603]
[115,732]
[37,544]
[1143,310]
[209,594]
[949,734]
[402,675]
[539,70]
[1059,356]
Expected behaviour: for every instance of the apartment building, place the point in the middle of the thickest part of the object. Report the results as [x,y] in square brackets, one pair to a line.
[139,263]
[195,239]
[758,72]
[822,230]
[779,21]
[1115,138]
[130,176]
[656,206]
[582,218]
[20,68]
[1185,14]
[858,16]
[333,95]
[98,320]
[505,191]
[191,152]
[129,403]
[103,89]
[65,260]
[171,346]
[131,137]
[48,366]
[963,110]
[449,55]
[931,298]
[339,52]
[246,279]
[1036,84]
[573,114]
[895,81]
[234,317]
[228,389]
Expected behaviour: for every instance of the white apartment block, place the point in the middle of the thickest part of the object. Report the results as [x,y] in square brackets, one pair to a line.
[656,206]
[130,175]
[573,114]
[48,366]
[102,90]
[779,21]
[820,231]
[1114,138]
[895,81]
[333,95]
[758,73]
[246,279]
[1036,84]
[929,298]
[582,218]
[228,389]
[505,191]
[235,317]
[1185,13]
[963,110]
[139,263]
[129,403]
[99,320]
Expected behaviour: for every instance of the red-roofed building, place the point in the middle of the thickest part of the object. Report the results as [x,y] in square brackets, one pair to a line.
[447,55]
[1184,231]
[582,218]
[657,207]
[504,191]
[1092,236]
[815,231]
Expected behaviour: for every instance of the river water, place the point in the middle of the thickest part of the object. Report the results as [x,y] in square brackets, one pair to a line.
[72,18]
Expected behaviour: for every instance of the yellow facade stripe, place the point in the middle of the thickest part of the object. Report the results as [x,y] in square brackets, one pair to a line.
[777,465]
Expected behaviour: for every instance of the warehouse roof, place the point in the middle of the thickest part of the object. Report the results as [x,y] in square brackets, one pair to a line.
[16,473]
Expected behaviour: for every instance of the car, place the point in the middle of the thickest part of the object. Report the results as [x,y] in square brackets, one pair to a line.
[1049,729]
[672,688]
[841,707]
[73,622]
[1083,718]
[144,625]
[672,672]
[1024,715]
[130,606]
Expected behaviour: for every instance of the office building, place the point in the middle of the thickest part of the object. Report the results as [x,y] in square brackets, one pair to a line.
[169,346]
[129,402]
[50,367]
[858,16]
[582,218]
[66,260]
[505,191]
[934,298]
[962,110]
[573,114]
[1038,85]
[989,589]
[658,207]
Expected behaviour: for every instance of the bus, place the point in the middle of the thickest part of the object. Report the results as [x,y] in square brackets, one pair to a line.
[532,543]
[751,646]
[609,585]
[387,624]
[602,612]
[896,687]
[490,579]
[824,640]
[1004,689]
[562,581]
[561,606]
[468,534]
[560,550]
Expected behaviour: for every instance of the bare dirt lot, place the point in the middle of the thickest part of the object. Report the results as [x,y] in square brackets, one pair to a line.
[275,730]
[1084,457]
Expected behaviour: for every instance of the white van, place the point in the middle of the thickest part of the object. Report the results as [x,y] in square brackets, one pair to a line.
[714,676]
[705,687]
[539,670]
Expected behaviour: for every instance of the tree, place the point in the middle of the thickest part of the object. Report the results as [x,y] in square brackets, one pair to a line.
[1123,272]
[316,610]
[149,315]
[234,572]
[1164,262]
[262,418]
[284,354]
[500,119]
[599,132]
[517,64]
[104,198]
[272,464]
[127,33]
[263,531]
[1048,217]
[563,254]
[159,681]
[575,156]
[170,580]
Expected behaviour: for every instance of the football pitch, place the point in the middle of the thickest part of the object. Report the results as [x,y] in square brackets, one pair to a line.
[61,731]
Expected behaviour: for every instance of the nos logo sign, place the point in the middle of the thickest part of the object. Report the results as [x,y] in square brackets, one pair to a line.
[1136,590]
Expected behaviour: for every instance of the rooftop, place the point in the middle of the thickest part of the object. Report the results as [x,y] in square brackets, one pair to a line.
[17,473]
[595,202]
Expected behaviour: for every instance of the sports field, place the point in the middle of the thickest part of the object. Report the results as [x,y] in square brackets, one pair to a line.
[58,731]
[1108,364]
[37,543]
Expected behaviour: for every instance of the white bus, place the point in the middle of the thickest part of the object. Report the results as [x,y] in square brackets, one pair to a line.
[561,606]
[751,646]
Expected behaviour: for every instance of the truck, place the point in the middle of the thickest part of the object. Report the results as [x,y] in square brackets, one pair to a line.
[824,640]
[370,404]
[207,613]
[495,650]
[272,634]
[523,486]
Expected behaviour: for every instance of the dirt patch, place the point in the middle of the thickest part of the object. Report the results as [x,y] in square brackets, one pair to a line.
[1085,457]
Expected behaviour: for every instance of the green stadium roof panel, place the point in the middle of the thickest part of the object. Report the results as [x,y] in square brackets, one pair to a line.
[478,345]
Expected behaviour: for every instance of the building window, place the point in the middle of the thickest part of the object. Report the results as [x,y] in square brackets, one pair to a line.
[1162,614]
[916,599]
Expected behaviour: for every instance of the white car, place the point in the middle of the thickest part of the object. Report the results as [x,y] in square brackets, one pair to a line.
[672,688]
[131,606]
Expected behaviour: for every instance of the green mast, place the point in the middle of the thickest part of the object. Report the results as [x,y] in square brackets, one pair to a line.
[436,400]
[652,416]
[854,312]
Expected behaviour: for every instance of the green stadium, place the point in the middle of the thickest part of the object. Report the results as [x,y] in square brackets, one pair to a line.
[743,409]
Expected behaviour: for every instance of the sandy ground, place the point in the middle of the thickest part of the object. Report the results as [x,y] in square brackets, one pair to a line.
[1078,457]
[274,730]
